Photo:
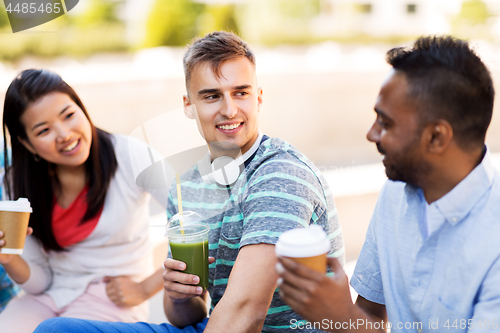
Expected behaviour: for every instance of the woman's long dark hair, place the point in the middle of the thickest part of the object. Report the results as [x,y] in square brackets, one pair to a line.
[36,180]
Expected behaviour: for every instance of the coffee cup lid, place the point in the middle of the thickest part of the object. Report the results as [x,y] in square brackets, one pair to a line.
[20,205]
[302,242]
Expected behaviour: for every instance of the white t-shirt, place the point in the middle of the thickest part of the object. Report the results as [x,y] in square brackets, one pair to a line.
[119,244]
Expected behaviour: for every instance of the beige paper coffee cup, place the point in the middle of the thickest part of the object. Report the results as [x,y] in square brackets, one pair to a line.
[14,219]
[308,247]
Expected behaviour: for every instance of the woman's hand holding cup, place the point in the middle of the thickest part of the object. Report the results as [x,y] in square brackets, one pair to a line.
[6,258]
[14,220]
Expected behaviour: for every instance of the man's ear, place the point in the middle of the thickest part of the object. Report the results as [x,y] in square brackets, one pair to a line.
[439,136]
[188,107]
[259,98]
[27,145]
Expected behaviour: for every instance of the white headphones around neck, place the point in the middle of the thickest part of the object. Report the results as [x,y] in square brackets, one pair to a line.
[225,170]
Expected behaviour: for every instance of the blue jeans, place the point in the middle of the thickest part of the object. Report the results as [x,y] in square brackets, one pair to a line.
[72,325]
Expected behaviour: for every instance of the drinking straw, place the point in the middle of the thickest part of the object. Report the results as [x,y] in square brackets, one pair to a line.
[179,200]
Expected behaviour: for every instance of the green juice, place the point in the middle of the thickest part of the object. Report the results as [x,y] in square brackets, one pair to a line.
[195,255]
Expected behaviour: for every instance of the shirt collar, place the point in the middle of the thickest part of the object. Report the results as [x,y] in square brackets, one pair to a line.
[457,203]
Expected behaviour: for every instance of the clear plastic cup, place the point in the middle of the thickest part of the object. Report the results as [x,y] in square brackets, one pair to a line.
[189,243]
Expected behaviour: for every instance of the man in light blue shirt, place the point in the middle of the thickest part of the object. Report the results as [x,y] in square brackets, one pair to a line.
[431,258]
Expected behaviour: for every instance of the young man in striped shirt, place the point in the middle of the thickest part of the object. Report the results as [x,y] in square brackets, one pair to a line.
[274,189]
[278,189]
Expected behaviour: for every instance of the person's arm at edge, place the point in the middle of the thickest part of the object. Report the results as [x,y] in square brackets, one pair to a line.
[17,268]
[244,305]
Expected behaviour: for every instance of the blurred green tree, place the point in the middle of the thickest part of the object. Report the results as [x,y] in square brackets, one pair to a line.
[172,22]
[278,21]
[474,12]
[4,19]
[472,21]
[98,12]
[97,29]
[301,9]
[217,17]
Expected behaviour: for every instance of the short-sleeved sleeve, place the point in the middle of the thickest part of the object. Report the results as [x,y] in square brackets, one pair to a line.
[282,194]
[488,306]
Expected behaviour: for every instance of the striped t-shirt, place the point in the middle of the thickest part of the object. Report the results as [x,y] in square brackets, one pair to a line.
[278,190]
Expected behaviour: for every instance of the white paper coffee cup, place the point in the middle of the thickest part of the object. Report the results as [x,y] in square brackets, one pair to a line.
[308,246]
[14,219]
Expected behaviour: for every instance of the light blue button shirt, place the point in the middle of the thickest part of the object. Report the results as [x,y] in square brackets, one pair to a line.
[435,267]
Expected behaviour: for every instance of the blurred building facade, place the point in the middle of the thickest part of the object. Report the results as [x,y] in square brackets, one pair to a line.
[385,17]
[393,17]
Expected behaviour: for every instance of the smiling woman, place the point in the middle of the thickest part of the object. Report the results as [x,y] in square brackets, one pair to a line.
[43,116]
[57,130]
[85,258]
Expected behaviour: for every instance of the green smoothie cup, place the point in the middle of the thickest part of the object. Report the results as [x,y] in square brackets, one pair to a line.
[188,239]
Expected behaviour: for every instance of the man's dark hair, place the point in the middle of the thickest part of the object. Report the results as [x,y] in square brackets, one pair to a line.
[448,81]
[215,48]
